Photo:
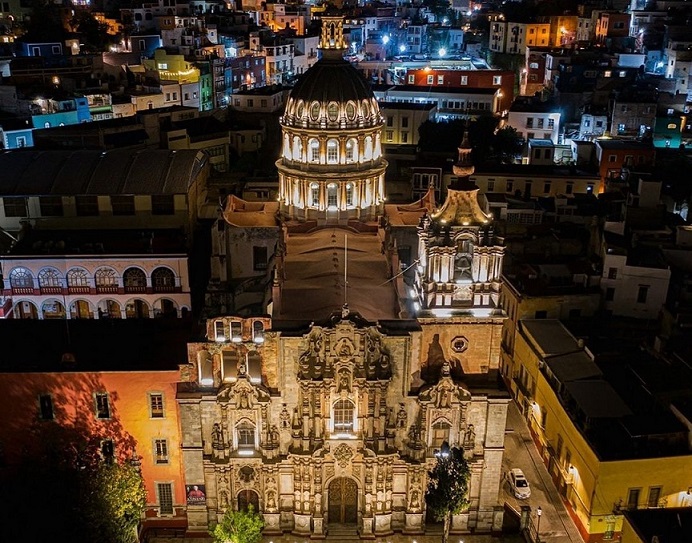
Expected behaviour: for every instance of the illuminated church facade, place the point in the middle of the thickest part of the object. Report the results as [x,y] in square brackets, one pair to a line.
[326,416]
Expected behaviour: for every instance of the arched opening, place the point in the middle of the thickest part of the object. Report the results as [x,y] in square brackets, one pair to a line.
[77,278]
[349,194]
[165,308]
[344,411]
[343,501]
[81,309]
[49,278]
[136,309]
[332,151]
[21,278]
[314,151]
[25,310]
[440,433]
[314,195]
[351,148]
[109,309]
[245,432]
[106,280]
[162,279]
[134,280]
[53,309]
[247,499]
[332,197]
[297,149]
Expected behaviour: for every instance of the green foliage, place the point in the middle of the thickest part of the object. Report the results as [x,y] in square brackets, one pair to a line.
[448,486]
[239,527]
[113,500]
[507,144]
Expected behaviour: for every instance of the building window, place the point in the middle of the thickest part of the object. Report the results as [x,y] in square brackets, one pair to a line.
[612,158]
[103,407]
[156,405]
[612,273]
[332,151]
[390,120]
[45,404]
[464,80]
[259,258]
[349,151]
[546,188]
[389,135]
[440,79]
[633,498]
[343,416]
[258,332]
[219,331]
[15,206]
[49,277]
[314,195]
[134,278]
[349,194]
[610,294]
[51,206]
[246,435]
[162,279]
[107,451]
[105,277]
[569,188]
[162,204]
[510,186]
[77,277]
[161,451]
[654,496]
[544,417]
[123,204]
[87,206]
[314,151]
[497,80]
[411,79]
[541,315]
[165,496]
[331,195]
[642,293]
[431,79]
[440,434]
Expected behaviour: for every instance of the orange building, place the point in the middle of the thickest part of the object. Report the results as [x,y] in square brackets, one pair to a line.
[615,155]
[118,413]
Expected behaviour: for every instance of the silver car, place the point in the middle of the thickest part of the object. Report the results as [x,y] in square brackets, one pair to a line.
[518,483]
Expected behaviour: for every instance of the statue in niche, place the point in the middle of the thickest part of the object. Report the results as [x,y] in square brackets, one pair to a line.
[223,499]
[344,347]
[414,504]
[344,381]
[414,434]
[470,437]
[216,437]
[244,402]
[274,436]
[444,399]
[271,500]
[310,359]
[285,417]
[401,417]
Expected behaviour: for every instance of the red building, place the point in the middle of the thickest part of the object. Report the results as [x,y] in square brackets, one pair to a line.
[474,79]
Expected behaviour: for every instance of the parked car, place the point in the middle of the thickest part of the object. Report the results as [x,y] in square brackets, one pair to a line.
[519,484]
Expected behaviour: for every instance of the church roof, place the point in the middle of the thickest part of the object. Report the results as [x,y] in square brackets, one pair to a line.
[462,208]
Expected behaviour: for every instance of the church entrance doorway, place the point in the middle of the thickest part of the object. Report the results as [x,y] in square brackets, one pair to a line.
[343,501]
[246,498]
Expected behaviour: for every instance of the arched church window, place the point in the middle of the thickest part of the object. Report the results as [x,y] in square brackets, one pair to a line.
[21,278]
[332,111]
[367,148]
[331,195]
[314,150]
[246,436]
[314,195]
[366,109]
[350,150]
[349,194]
[258,332]
[350,111]
[332,151]
[440,433]
[463,259]
[300,110]
[343,416]
[297,148]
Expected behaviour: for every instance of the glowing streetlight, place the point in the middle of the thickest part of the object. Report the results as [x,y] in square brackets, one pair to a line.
[539,512]
[385,39]
[402,48]
[442,52]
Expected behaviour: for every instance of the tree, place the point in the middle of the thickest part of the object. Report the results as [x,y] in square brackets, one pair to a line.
[113,499]
[448,486]
[507,144]
[239,527]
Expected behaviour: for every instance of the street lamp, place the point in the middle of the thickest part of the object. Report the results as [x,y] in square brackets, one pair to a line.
[539,512]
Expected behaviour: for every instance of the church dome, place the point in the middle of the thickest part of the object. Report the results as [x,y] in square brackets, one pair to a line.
[332,94]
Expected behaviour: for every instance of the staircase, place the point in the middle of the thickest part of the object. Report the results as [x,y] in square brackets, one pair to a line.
[342,532]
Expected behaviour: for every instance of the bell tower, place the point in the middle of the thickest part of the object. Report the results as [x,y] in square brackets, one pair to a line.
[332,36]
[460,255]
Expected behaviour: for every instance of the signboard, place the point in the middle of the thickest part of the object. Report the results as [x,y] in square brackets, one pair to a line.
[196,494]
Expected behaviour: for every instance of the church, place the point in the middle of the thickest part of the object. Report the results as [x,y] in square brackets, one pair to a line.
[353,337]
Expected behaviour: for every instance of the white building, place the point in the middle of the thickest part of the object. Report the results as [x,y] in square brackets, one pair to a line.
[535,121]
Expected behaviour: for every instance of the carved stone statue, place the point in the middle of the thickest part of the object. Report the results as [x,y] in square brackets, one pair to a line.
[216,437]
[285,417]
[274,436]
[401,417]
[470,437]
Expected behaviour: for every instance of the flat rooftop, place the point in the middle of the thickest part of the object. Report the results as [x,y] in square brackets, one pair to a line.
[314,281]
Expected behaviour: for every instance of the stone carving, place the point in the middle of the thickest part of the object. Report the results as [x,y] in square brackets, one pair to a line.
[274,436]
[310,362]
[401,417]
[285,417]
[470,437]
[414,503]
[271,501]
[343,454]
[344,347]
[344,381]
[414,436]
[217,437]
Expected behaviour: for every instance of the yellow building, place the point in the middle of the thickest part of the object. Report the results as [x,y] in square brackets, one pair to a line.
[171,67]
[606,456]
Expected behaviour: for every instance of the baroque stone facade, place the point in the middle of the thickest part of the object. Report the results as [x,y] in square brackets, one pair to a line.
[331,424]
